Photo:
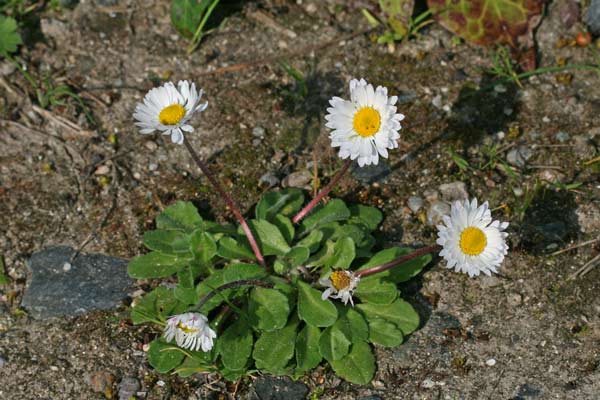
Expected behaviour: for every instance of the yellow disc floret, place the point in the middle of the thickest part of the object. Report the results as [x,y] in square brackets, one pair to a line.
[366,121]
[186,328]
[172,114]
[472,241]
[339,280]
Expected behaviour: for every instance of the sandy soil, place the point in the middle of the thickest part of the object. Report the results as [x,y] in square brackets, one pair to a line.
[528,333]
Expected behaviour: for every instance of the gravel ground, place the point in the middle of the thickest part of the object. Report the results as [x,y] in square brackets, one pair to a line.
[527,333]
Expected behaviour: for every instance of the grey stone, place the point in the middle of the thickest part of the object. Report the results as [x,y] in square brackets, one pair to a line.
[92,282]
[268,180]
[436,211]
[372,173]
[431,195]
[415,203]
[372,397]
[298,179]
[583,149]
[54,29]
[569,12]
[2,362]
[593,17]
[562,136]
[519,156]
[128,387]
[454,191]
[271,388]
[527,391]
[6,68]
[258,132]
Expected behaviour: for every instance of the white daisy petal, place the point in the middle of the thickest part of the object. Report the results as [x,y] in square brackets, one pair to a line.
[365,126]
[471,242]
[191,331]
[168,109]
[340,284]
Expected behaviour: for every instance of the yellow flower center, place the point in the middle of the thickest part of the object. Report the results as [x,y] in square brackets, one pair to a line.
[366,121]
[186,328]
[172,114]
[472,241]
[339,280]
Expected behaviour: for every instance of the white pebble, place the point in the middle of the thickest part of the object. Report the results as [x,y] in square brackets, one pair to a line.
[67,266]
[491,362]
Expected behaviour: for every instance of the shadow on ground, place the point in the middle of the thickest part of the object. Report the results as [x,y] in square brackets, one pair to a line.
[549,221]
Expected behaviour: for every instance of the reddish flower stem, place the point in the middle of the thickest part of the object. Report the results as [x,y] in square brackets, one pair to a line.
[396,262]
[227,200]
[298,217]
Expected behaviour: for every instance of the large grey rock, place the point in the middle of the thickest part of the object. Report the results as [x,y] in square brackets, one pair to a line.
[271,388]
[593,17]
[58,287]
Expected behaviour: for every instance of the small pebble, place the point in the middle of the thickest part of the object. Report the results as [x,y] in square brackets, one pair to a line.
[255,142]
[152,166]
[454,191]
[436,212]
[562,136]
[519,156]
[128,387]
[546,119]
[500,88]
[491,362]
[67,266]
[160,383]
[437,101]
[258,132]
[2,362]
[415,203]
[150,145]
[298,179]
[102,170]
[268,180]
[428,383]
[431,195]
[518,191]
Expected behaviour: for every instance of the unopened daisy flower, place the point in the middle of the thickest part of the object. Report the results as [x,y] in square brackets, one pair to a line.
[365,126]
[191,331]
[340,285]
[168,109]
[471,241]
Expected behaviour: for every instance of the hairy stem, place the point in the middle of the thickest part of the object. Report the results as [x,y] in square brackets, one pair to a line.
[298,217]
[227,200]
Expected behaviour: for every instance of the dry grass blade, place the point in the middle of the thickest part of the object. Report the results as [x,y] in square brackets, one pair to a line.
[575,246]
[587,267]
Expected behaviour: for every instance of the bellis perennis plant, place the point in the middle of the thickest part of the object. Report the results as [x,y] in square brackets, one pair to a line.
[294,285]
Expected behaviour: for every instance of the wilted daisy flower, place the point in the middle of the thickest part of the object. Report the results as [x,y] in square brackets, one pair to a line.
[471,242]
[191,331]
[365,126]
[340,285]
[168,109]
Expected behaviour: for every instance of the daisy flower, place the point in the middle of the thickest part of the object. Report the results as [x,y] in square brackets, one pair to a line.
[168,109]
[365,126]
[340,285]
[191,331]
[471,241]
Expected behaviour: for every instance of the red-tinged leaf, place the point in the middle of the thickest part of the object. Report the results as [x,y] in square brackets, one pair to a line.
[487,22]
